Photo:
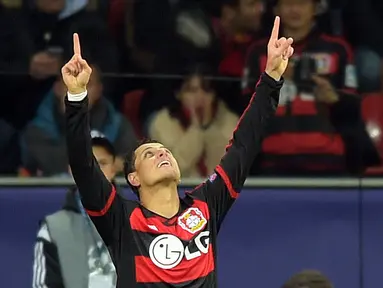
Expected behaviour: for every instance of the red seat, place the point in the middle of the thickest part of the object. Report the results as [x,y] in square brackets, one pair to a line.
[372,113]
[130,108]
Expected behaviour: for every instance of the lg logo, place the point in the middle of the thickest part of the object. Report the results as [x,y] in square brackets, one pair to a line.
[167,251]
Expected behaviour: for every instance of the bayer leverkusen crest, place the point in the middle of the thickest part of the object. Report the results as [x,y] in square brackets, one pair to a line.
[192,220]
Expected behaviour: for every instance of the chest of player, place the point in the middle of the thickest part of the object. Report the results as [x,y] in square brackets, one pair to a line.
[180,246]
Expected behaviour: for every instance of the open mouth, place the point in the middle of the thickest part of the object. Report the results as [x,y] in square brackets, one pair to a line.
[164,164]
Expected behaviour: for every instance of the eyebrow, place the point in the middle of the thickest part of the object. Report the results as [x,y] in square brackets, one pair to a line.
[143,151]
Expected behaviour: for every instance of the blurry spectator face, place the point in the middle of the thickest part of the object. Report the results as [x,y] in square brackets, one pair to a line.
[106,162]
[196,93]
[249,14]
[94,88]
[50,6]
[243,15]
[296,14]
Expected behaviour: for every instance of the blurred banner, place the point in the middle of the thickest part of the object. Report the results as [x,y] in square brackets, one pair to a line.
[269,235]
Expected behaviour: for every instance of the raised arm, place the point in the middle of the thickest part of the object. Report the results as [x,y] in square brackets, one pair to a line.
[223,187]
[98,195]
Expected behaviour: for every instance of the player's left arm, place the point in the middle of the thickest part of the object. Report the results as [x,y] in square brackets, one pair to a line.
[224,186]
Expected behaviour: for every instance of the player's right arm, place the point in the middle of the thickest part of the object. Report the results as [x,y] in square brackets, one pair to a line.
[98,195]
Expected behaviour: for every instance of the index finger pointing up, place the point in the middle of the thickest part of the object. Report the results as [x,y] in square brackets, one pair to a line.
[76,44]
[275,31]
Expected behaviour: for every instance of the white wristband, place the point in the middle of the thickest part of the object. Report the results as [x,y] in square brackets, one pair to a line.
[77,97]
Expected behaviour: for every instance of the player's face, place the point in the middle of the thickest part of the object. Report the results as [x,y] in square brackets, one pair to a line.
[154,164]
[105,161]
[296,14]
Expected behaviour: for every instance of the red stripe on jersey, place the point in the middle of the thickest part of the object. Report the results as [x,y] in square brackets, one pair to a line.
[157,225]
[227,181]
[187,270]
[106,207]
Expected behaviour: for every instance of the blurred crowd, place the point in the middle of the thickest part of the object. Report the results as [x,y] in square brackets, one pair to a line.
[182,72]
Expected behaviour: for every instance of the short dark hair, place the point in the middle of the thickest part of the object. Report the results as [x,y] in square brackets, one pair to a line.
[308,279]
[105,144]
[130,159]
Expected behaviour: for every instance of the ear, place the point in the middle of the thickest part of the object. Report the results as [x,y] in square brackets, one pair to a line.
[133,179]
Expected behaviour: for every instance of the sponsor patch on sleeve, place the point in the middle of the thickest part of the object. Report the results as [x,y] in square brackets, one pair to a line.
[212,177]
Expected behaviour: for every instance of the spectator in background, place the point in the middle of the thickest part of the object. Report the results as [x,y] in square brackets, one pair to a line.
[185,38]
[197,127]
[52,24]
[43,143]
[69,252]
[236,28]
[48,27]
[308,279]
[318,127]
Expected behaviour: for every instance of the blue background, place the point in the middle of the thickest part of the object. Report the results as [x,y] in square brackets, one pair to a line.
[267,236]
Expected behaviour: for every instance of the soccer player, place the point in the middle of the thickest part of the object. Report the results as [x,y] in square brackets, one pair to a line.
[165,240]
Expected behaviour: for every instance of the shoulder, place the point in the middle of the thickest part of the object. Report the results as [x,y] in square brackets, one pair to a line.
[163,114]
[127,202]
[226,114]
[43,233]
[163,117]
[61,220]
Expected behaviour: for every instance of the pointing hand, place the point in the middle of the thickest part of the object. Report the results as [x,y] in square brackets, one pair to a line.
[76,72]
[278,52]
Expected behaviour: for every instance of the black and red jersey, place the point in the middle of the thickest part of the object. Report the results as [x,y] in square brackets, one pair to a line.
[152,251]
[301,136]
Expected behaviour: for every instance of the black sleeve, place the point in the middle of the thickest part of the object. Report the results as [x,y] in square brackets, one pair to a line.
[224,186]
[99,197]
[46,265]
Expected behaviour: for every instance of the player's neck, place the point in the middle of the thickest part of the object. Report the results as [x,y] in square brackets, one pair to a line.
[162,200]
[297,34]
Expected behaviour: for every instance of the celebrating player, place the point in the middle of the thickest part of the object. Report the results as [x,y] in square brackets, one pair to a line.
[165,239]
